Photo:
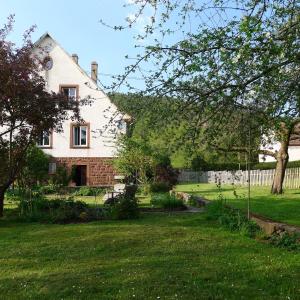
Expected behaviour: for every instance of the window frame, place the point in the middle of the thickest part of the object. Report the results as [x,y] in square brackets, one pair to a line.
[72,145]
[49,146]
[49,168]
[74,86]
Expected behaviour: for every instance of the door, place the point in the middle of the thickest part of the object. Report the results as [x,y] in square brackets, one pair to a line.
[80,175]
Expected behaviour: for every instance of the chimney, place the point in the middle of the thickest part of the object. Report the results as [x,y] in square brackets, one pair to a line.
[75,58]
[94,71]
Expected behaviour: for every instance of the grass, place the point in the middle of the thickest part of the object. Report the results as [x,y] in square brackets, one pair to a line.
[160,256]
[284,208]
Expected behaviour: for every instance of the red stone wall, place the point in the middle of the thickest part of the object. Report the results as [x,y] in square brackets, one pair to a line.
[100,171]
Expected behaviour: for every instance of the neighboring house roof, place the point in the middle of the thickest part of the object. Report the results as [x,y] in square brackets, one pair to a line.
[295,140]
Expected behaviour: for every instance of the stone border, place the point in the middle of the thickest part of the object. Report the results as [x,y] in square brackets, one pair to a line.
[186,197]
[267,225]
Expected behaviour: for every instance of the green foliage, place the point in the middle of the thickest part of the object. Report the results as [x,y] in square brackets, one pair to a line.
[14,194]
[201,165]
[232,219]
[88,191]
[140,162]
[159,187]
[27,109]
[125,208]
[166,201]
[48,189]
[272,165]
[61,210]
[193,202]
[135,160]
[36,168]
[230,79]
[282,208]
[286,240]
[61,177]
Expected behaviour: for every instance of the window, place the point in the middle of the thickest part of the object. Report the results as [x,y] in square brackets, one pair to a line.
[52,168]
[122,126]
[44,139]
[71,92]
[80,135]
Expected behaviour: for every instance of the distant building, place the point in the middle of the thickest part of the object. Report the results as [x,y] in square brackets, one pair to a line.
[89,148]
[293,149]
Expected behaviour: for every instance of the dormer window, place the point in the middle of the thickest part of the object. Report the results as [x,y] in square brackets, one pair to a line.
[70,91]
[44,140]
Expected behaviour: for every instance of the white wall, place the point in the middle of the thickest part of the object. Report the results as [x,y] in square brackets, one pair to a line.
[294,153]
[99,114]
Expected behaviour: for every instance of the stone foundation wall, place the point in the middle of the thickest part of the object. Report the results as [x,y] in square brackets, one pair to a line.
[100,171]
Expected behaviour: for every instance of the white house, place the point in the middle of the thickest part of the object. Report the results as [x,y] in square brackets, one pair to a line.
[293,150]
[90,147]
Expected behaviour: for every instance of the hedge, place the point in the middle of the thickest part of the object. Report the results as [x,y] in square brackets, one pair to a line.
[243,166]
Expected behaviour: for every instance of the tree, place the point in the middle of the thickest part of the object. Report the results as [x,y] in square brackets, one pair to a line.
[229,58]
[35,168]
[27,109]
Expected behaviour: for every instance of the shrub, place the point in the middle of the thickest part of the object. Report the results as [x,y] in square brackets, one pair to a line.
[198,164]
[159,187]
[234,166]
[166,174]
[56,210]
[125,208]
[61,176]
[166,201]
[35,168]
[88,191]
[14,195]
[272,165]
[232,219]
[193,202]
[47,189]
[285,240]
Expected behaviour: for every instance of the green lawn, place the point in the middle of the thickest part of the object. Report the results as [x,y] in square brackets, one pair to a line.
[284,208]
[160,256]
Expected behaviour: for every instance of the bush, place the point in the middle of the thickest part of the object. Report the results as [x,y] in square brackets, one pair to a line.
[272,165]
[198,164]
[61,176]
[241,166]
[88,191]
[48,189]
[166,201]
[166,174]
[35,170]
[159,187]
[14,195]
[125,208]
[232,219]
[56,211]
[285,240]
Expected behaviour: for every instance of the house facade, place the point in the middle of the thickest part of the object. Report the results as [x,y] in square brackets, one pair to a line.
[293,150]
[88,148]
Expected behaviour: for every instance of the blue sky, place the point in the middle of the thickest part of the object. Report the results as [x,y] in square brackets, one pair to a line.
[75,25]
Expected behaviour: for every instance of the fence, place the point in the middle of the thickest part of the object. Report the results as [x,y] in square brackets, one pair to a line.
[257,177]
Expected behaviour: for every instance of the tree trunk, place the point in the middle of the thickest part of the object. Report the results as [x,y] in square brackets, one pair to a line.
[2,192]
[282,159]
